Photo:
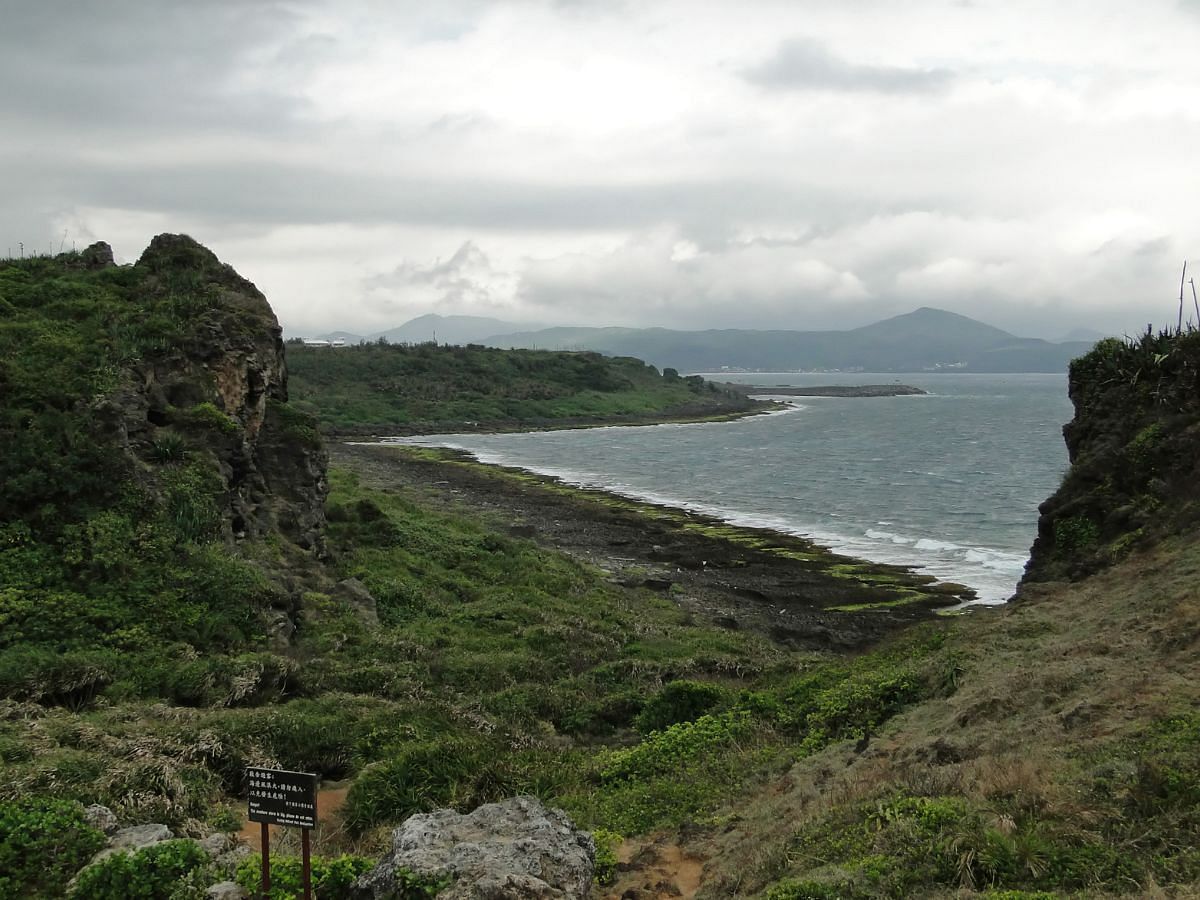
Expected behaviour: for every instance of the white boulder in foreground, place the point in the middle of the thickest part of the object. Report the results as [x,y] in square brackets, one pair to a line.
[518,848]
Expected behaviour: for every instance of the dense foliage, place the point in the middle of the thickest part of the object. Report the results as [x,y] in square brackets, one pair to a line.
[135,672]
[429,386]
[330,878]
[1133,477]
[152,873]
[109,558]
[43,842]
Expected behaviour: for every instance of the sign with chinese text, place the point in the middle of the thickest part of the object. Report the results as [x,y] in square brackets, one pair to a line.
[279,797]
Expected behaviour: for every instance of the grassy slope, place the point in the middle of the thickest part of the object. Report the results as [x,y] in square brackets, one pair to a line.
[1047,746]
[427,386]
[496,668]
[1065,761]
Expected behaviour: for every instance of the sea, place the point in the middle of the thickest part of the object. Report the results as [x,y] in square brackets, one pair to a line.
[947,483]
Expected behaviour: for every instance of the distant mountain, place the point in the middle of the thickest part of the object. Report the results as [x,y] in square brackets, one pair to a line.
[445,330]
[924,340]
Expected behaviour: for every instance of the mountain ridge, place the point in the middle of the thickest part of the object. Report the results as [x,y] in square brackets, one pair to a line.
[926,339]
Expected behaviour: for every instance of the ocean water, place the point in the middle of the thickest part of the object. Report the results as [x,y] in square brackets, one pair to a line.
[948,483]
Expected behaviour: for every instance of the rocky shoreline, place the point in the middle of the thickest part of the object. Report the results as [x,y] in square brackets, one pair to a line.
[828,390]
[785,587]
[510,426]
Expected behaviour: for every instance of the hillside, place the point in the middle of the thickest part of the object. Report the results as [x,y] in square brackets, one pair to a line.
[1063,758]
[187,589]
[926,339]
[402,388]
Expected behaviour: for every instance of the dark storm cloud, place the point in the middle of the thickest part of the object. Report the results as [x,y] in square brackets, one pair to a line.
[806,64]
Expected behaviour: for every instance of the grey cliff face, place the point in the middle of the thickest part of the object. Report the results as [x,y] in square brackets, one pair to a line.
[231,365]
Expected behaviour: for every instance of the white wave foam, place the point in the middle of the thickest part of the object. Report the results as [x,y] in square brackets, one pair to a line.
[992,573]
[936,546]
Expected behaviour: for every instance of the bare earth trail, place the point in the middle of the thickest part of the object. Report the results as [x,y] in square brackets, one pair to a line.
[782,586]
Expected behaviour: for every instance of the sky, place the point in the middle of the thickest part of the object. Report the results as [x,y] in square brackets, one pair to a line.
[749,164]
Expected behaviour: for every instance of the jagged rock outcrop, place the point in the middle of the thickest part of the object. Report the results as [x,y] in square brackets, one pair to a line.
[502,851]
[224,384]
[1133,445]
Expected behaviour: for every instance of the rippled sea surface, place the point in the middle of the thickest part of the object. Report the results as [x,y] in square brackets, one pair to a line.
[949,482]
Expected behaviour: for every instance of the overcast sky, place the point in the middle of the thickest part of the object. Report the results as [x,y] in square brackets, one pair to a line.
[685,164]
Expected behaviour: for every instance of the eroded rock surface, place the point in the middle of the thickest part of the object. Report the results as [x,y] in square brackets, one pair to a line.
[519,848]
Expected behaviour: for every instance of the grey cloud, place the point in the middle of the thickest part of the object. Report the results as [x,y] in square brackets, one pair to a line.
[467,280]
[130,67]
[806,64]
[269,194]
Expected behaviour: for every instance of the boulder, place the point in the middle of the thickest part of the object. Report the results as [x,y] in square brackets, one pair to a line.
[518,848]
[356,595]
[216,844]
[226,890]
[136,837]
[101,817]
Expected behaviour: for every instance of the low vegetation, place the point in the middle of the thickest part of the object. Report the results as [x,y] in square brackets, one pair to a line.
[428,387]
[1132,481]
[1047,749]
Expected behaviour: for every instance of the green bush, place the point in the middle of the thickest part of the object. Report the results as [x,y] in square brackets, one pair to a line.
[678,701]
[206,415]
[669,751]
[791,889]
[43,843]
[1074,534]
[454,772]
[152,873]
[607,843]
[331,878]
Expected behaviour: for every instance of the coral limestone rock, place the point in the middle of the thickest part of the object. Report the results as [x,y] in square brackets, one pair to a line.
[518,848]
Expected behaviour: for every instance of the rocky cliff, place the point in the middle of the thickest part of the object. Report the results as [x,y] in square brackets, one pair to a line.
[157,486]
[1133,443]
[223,385]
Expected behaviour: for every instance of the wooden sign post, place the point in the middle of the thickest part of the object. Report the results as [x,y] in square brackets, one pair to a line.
[280,797]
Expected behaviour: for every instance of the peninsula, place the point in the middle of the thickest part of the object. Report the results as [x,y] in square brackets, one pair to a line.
[827,390]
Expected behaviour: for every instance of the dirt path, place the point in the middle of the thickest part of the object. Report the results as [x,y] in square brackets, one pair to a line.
[655,870]
[329,824]
[779,585]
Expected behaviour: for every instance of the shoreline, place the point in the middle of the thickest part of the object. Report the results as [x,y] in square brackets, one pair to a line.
[572,423]
[827,390]
[787,587]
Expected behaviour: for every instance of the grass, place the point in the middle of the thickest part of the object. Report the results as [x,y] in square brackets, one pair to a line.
[1058,760]
[497,668]
[1045,748]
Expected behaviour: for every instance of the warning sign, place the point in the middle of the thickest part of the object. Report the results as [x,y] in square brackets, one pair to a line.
[279,797]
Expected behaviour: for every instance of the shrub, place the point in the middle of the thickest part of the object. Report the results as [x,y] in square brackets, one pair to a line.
[791,889]
[168,446]
[153,873]
[43,842]
[207,416]
[331,878]
[667,752]
[679,701]
[424,776]
[1075,533]
[607,843]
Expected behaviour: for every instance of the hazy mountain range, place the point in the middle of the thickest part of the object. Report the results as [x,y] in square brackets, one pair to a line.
[923,340]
